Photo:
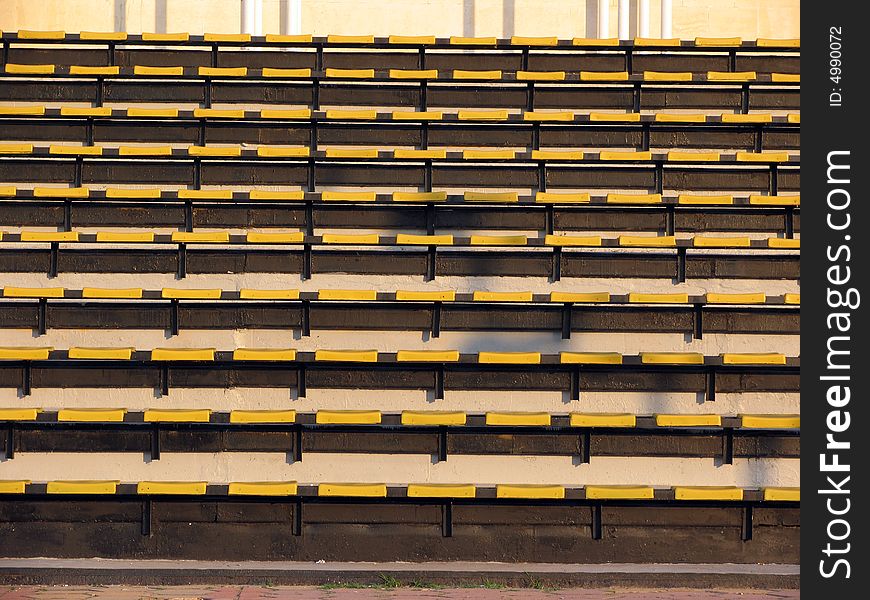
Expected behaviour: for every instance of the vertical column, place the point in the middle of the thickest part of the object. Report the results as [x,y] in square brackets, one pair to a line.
[603,19]
[624,19]
[291,11]
[667,19]
[643,19]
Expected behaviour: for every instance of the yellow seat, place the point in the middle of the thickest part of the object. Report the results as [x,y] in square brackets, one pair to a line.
[419,196]
[614,117]
[603,75]
[680,118]
[222,71]
[425,40]
[557,155]
[8,486]
[792,244]
[157,71]
[427,356]
[19,414]
[472,41]
[286,73]
[406,239]
[782,494]
[126,293]
[792,298]
[667,76]
[28,34]
[227,37]
[152,112]
[366,490]
[219,151]
[201,237]
[572,240]
[350,39]
[91,415]
[671,358]
[165,37]
[677,298]
[439,296]
[14,69]
[75,150]
[347,295]
[420,154]
[433,417]
[125,236]
[690,199]
[295,237]
[717,42]
[440,490]
[413,74]
[181,488]
[634,198]
[562,198]
[254,294]
[75,111]
[533,115]
[49,236]
[619,492]
[477,75]
[353,239]
[16,148]
[662,241]
[731,76]
[194,294]
[498,197]
[7,191]
[753,358]
[677,156]
[101,353]
[351,153]
[530,492]
[624,155]
[480,296]
[88,70]
[267,195]
[218,113]
[280,152]
[22,292]
[351,73]
[499,240]
[518,419]
[409,115]
[263,488]
[590,358]
[720,242]
[488,154]
[595,41]
[263,416]
[348,196]
[794,118]
[200,354]
[726,493]
[775,200]
[355,115]
[579,297]
[10,111]
[177,415]
[519,40]
[348,417]
[750,118]
[770,421]
[540,75]
[603,420]
[266,354]
[366,356]
[689,420]
[778,43]
[750,298]
[482,115]
[145,151]
[509,358]
[661,42]
[81,487]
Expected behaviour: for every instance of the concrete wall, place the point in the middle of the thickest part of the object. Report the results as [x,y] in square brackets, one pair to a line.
[504,18]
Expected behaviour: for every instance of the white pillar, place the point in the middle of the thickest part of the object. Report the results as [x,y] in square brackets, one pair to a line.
[624,19]
[603,19]
[643,19]
[667,19]
[292,17]
[252,17]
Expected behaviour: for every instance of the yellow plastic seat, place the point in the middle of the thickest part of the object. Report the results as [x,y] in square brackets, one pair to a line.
[775,200]
[222,71]
[689,420]
[671,358]
[406,239]
[75,150]
[482,115]
[201,237]
[603,75]
[19,414]
[644,241]
[603,420]
[91,415]
[15,69]
[188,294]
[562,197]
[667,76]
[145,151]
[364,490]
[351,239]
[579,297]
[198,354]
[770,421]
[348,417]
[269,195]
[680,118]
[218,151]
[598,117]
[439,296]
[130,237]
[10,111]
[792,298]
[619,492]
[496,197]
[634,198]
[793,118]
[595,41]
[90,111]
[477,75]
[440,490]
[782,494]
[181,488]
[480,296]
[152,112]
[114,293]
[519,40]
[624,155]
[419,196]
[499,240]
[350,39]
[158,72]
[177,415]
[263,416]
[264,354]
[227,37]
[427,356]
[572,240]
[557,155]
[286,73]
[750,118]
[530,492]
[672,298]
[717,42]
[295,237]
[29,34]
[518,419]
[165,37]
[590,358]
[488,154]
[49,236]
[350,73]
[753,358]
[784,243]
[218,113]
[22,292]
[424,40]
[749,298]
[433,417]
[509,358]
[712,493]
[205,194]
[262,488]
[367,356]
[16,148]
[728,76]
[659,42]
[678,156]
[413,74]
[437,153]
[705,241]
[8,486]
[352,115]
[7,191]
[101,353]
[348,295]
[690,199]
[456,40]
[81,487]
[351,153]
[411,115]
[254,294]
[540,75]
[534,115]
[281,152]
[88,70]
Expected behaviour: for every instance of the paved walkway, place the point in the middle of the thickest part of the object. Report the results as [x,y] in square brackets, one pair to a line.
[194,592]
